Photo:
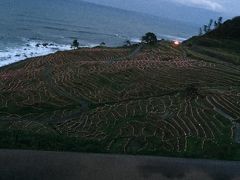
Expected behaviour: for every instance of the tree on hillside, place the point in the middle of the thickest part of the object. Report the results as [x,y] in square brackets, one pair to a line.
[220,20]
[75,44]
[210,25]
[215,24]
[218,23]
[205,28]
[102,44]
[149,38]
[200,32]
[128,43]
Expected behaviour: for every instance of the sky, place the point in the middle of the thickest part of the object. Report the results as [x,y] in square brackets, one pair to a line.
[231,7]
[225,7]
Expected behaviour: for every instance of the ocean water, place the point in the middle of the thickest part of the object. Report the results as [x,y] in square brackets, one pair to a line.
[26,24]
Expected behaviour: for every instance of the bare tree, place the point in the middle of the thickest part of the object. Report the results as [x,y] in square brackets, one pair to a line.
[220,21]
[205,28]
[209,28]
[200,32]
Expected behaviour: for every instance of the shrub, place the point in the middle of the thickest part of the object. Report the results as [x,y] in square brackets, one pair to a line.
[128,43]
[149,38]
[75,44]
[103,44]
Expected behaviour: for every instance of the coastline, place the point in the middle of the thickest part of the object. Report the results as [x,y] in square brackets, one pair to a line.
[17,62]
[30,50]
[38,49]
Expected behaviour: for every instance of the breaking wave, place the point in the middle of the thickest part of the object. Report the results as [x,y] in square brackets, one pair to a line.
[32,49]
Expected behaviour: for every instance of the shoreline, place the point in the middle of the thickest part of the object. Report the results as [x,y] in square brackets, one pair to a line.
[15,59]
[67,50]
[38,49]
[52,53]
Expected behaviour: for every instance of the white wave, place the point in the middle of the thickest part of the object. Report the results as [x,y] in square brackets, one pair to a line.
[39,48]
[89,45]
[170,37]
[135,40]
[33,49]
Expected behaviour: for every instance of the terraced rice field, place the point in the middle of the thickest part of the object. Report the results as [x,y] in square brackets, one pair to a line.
[154,100]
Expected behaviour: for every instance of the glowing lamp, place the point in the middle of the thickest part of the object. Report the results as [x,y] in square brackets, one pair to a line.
[176,43]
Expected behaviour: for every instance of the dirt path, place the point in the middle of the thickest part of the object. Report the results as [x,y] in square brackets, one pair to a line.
[23,165]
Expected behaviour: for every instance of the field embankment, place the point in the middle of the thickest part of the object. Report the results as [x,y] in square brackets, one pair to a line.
[161,100]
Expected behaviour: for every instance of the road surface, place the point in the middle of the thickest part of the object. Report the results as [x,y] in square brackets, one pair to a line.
[36,165]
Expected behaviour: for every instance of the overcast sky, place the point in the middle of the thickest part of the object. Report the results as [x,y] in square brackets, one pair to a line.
[227,6]
[230,7]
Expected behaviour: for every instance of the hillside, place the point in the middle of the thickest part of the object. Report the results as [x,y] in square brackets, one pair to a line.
[138,100]
[228,30]
[221,45]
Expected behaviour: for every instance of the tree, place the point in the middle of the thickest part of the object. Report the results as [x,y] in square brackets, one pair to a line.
[149,38]
[200,32]
[210,25]
[205,28]
[102,44]
[220,21]
[215,24]
[75,44]
[128,43]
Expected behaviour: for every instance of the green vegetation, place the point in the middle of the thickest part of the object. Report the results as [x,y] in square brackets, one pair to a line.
[210,27]
[149,38]
[128,43]
[219,45]
[102,44]
[38,141]
[230,29]
[75,44]
[167,100]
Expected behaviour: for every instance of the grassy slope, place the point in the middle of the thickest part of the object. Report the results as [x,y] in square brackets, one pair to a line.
[108,100]
[221,45]
[215,50]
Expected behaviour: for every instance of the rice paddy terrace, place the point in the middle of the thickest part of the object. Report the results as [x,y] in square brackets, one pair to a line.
[139,100]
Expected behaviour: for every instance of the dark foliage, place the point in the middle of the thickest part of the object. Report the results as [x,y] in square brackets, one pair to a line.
[75,44]
[149,38]
[191,91]
[103,44]
[229,29]
[128,43]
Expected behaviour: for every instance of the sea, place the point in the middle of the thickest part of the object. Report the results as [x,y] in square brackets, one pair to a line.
[30,28]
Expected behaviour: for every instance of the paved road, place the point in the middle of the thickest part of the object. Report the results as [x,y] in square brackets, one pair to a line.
[24,165]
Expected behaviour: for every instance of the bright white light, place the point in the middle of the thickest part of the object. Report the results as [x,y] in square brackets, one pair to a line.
[176,43]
